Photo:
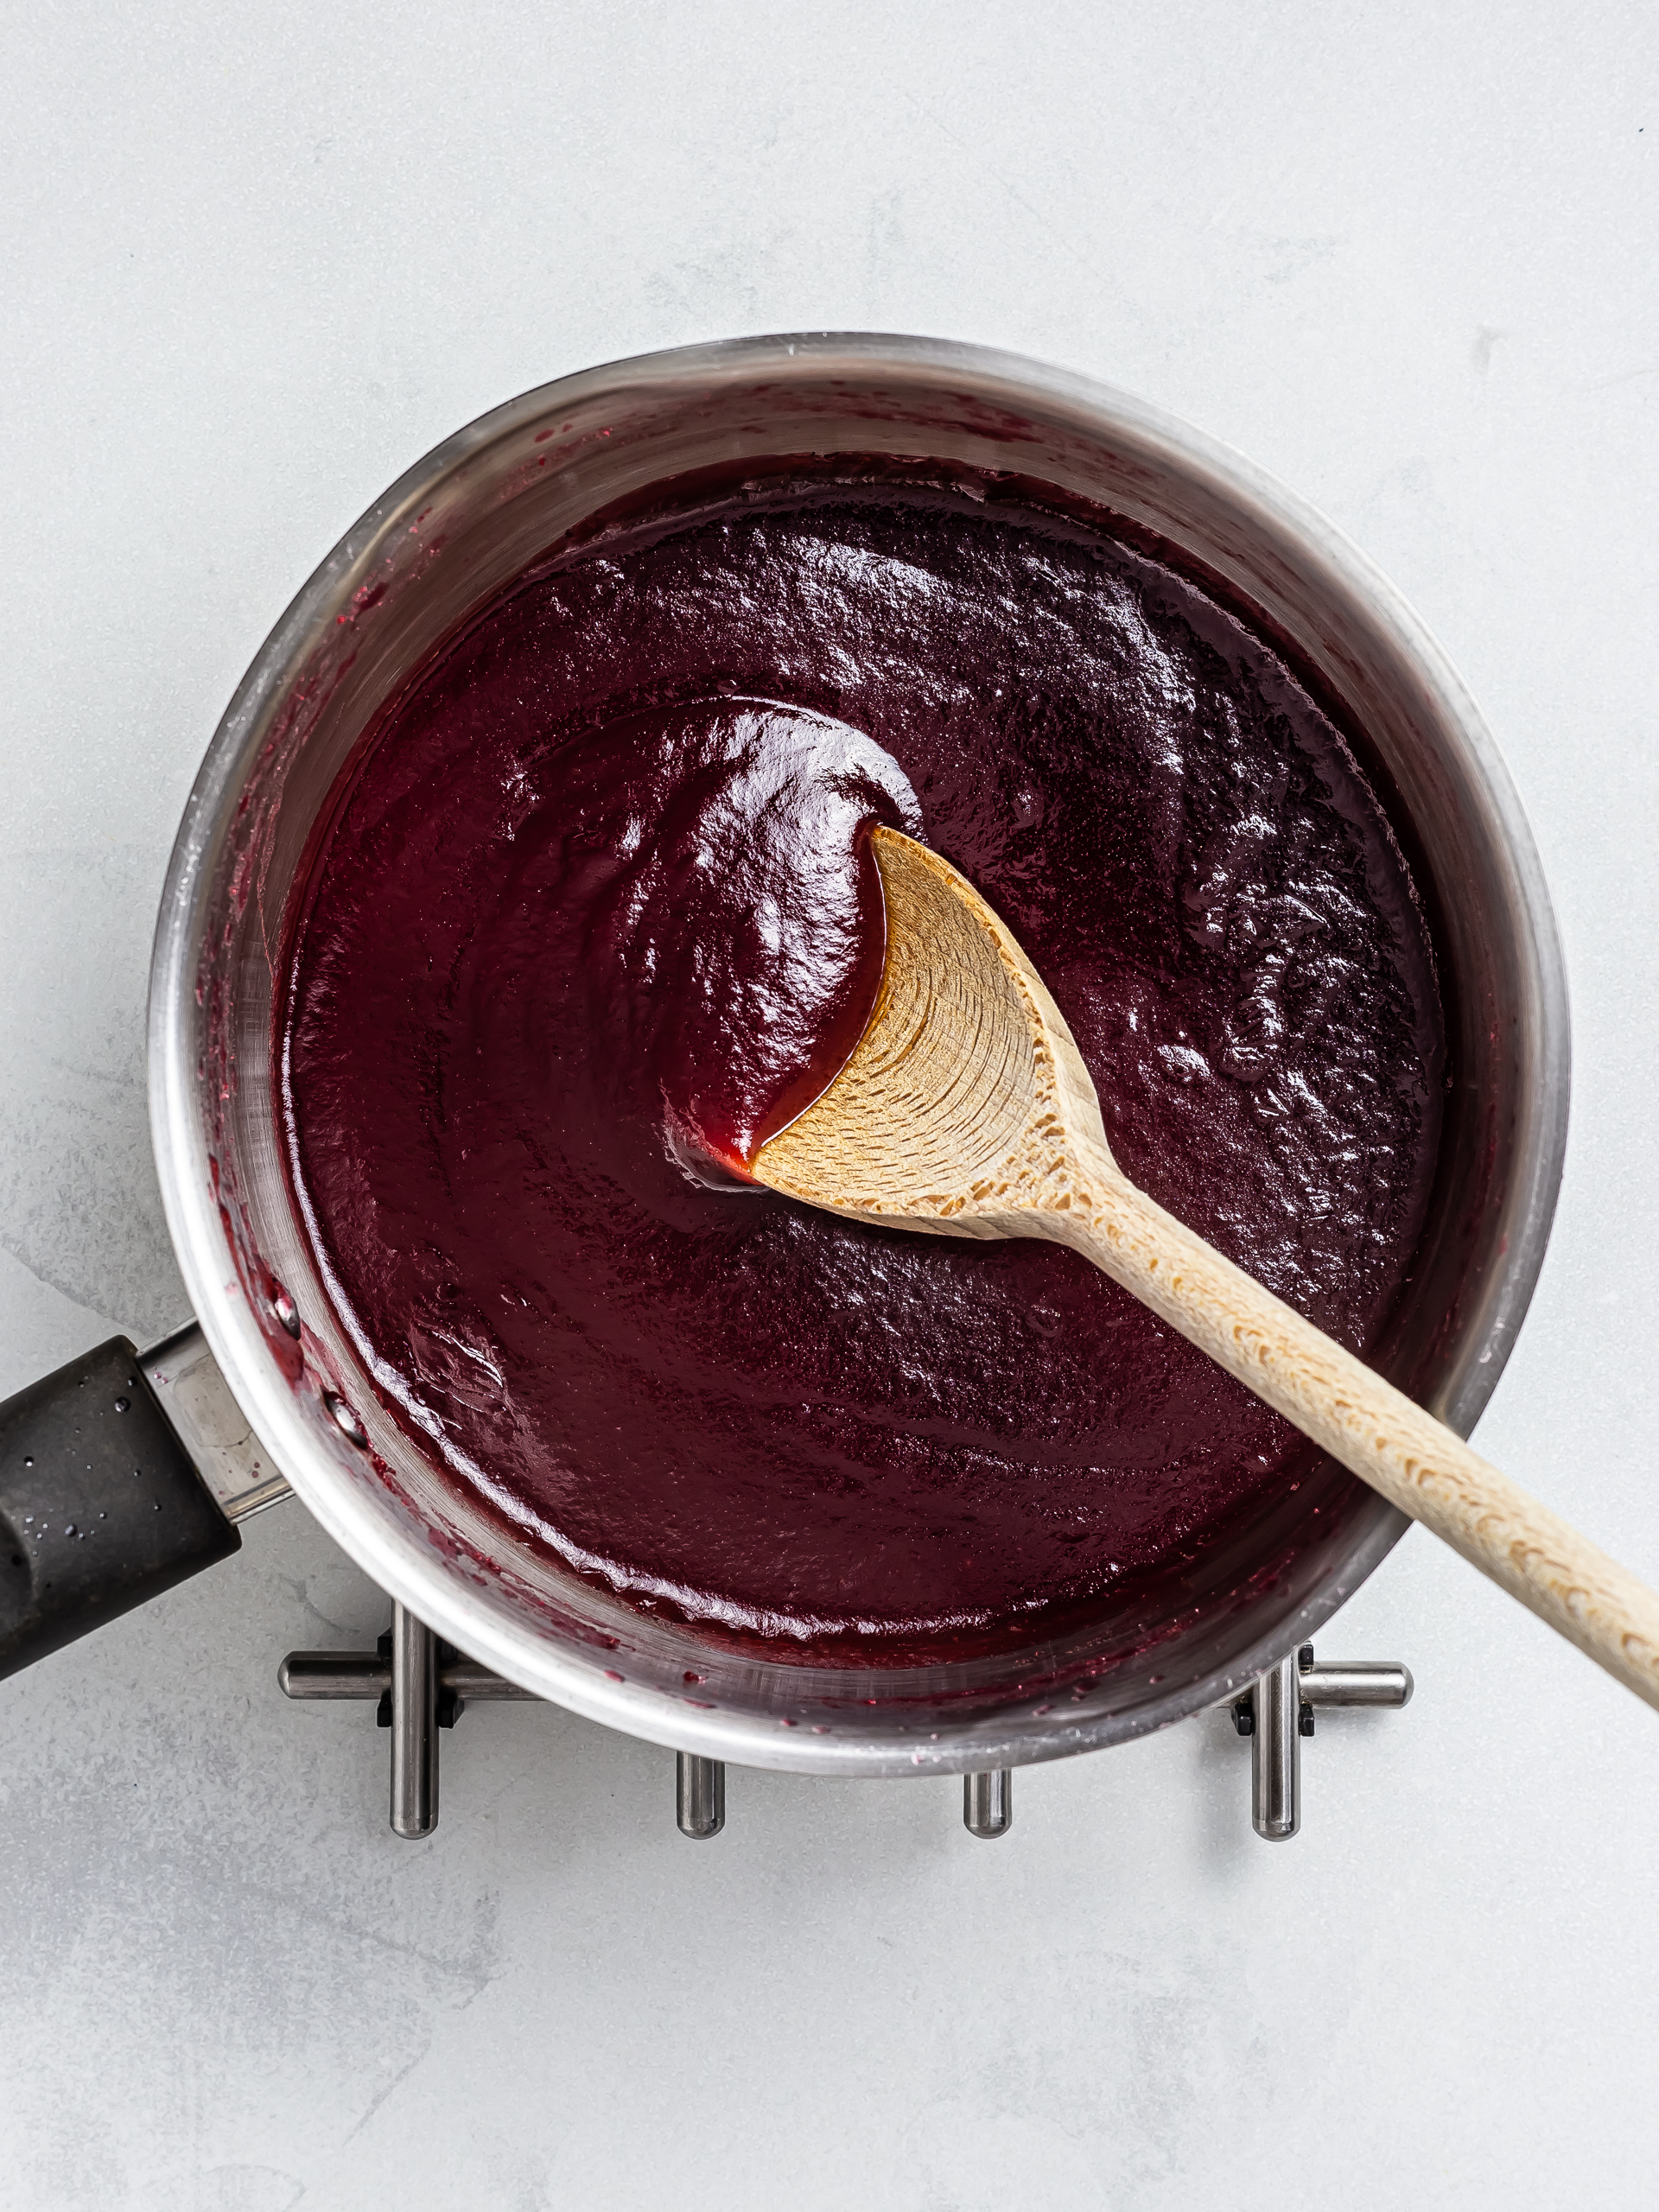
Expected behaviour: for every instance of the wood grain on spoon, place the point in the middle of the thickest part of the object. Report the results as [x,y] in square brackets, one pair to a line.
[966,1110]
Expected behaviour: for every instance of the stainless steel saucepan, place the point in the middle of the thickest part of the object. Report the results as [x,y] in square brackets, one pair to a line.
[104,1437]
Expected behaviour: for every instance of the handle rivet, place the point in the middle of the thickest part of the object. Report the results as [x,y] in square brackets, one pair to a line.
[349,1424]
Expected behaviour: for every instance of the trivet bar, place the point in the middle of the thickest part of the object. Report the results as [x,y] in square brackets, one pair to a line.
[1278,1712]
[1277,1753]
[988,1804]
[700,1802]
[1353,1681]
[348,1675]
[414,1725]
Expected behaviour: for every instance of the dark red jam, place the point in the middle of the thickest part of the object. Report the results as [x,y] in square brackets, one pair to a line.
[597,914]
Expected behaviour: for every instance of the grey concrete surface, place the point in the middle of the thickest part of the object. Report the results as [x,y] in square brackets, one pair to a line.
[255,261]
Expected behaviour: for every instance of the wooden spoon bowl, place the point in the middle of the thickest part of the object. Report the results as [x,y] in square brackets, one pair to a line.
[966,1110]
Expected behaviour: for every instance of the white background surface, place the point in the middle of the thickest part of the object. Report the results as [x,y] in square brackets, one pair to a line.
[255,260]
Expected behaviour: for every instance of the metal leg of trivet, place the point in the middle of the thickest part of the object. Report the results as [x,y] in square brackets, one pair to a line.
[988,1804]
[419,1685]
[700,1796]
[414,1725]
[1278,1711]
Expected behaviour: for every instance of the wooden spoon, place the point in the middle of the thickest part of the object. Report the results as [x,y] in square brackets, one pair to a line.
[966,1110]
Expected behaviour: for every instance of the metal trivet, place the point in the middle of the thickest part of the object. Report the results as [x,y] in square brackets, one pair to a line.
[420,1684]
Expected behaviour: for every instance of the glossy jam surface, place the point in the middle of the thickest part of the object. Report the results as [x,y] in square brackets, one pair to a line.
[715,886]
[597,913]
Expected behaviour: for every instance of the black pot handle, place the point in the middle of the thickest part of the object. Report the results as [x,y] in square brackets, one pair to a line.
[120,1476]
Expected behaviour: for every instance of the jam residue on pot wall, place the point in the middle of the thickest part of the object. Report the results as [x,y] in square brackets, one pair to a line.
[598,913]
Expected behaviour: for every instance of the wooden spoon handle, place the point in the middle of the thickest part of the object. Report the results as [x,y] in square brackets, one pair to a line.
[1414,1460]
